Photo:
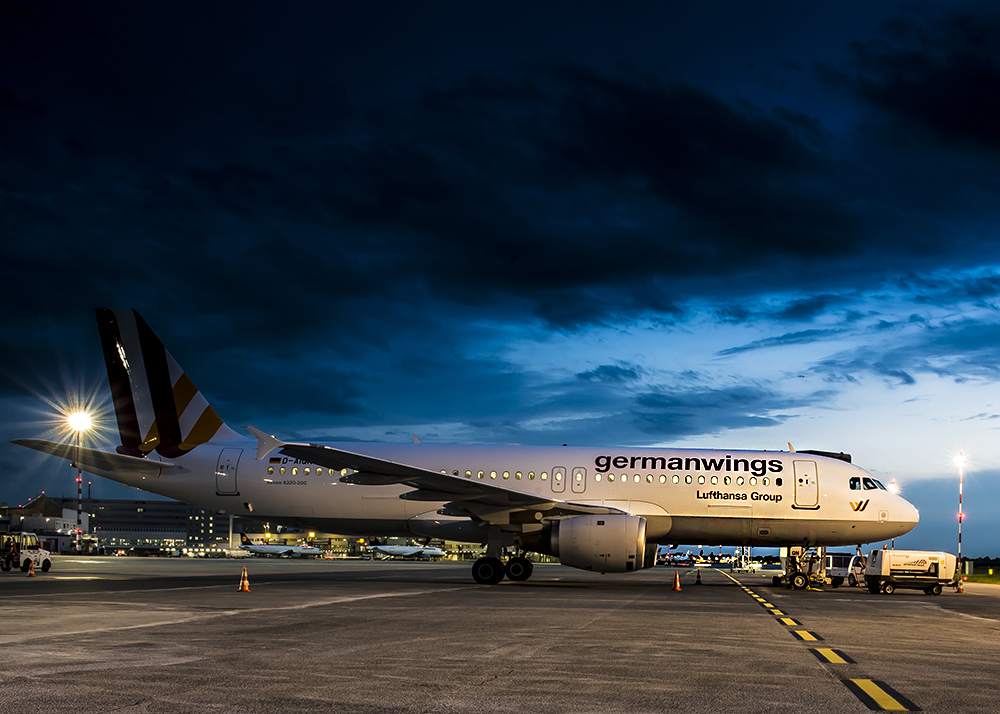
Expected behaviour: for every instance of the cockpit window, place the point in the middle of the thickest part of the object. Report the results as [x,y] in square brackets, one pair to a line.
[870,484]
[855,483]
[879,484]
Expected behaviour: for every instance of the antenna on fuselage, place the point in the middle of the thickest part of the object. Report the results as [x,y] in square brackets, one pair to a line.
[790,447]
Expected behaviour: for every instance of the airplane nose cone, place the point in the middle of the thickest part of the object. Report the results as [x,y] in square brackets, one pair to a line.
[910,516]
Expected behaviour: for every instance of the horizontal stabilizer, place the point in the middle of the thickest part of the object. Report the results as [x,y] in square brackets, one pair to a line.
[93,460]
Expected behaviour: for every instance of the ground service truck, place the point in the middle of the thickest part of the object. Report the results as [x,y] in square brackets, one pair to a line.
[914,569]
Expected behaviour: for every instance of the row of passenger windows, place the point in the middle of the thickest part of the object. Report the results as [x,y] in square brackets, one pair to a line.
[305,471]
[578,477]
[624,478]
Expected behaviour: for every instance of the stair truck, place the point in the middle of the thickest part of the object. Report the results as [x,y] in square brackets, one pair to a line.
[912,569]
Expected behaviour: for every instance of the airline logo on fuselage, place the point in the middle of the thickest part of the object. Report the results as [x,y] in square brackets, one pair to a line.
[859,505]
[758,467]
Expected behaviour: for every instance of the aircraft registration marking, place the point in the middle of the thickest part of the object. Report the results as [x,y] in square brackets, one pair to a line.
[879,696]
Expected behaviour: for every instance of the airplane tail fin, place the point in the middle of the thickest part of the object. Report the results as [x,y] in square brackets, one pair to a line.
[244,540]
[156,403]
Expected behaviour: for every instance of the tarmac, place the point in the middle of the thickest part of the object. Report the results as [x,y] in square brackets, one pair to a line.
[176,635]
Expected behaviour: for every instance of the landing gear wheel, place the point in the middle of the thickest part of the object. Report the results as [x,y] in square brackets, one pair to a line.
[519,569]
[888,588]
[487,571]
[851,580]
[799,581]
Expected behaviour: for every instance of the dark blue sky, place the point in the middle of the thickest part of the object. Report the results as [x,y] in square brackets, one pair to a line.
[715,224]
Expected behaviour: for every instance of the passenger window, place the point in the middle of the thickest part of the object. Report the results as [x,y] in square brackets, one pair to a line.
[715,480]
[855,483]
[869,484]
[676,478]
[687,479]
[663,478]
[739,480]
[611,477]
[531,475]
[727,480]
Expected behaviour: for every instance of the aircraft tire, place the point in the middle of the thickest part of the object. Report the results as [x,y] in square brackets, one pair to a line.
[488,571]
[799,581]
[518,569]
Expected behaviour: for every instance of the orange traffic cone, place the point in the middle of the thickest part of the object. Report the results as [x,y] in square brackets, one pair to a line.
[677,581]
[244,583]
[698,580]
[31,568]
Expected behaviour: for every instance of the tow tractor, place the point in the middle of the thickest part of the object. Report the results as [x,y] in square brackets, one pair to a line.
[802,568]
[22,549]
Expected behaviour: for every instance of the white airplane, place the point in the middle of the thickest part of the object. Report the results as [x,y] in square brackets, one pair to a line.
[603,509]
[424,552]
[295,551]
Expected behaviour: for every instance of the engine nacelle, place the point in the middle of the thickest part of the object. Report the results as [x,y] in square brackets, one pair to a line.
[613,543]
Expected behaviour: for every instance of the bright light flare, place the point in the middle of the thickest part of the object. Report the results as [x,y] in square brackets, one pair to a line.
[80,421]
[893,488]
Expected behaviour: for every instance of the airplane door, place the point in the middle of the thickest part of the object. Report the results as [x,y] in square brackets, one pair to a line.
[806,485]
[558,479]
[579,479]
[225,472]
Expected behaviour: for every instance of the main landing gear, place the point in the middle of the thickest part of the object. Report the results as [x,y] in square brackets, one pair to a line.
[490,570]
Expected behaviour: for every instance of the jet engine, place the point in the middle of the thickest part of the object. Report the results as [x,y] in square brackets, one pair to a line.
[613,543]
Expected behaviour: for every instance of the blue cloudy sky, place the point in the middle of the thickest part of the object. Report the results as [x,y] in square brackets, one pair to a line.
[717,224]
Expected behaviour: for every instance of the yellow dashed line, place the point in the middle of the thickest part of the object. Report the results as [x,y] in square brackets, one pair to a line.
[879,695]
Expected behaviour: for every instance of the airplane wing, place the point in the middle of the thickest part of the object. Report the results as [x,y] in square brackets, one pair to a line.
[92,460]
[490,502]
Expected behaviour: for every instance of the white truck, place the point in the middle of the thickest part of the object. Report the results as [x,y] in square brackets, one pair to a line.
[22,550]
[913,569]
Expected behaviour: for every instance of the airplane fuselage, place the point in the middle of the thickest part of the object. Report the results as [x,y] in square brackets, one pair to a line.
[686,495]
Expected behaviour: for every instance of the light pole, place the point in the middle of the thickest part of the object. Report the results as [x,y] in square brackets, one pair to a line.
[79,422]
[961,472]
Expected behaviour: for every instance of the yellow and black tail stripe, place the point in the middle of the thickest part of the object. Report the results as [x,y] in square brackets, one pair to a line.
[879,696]
[156,403]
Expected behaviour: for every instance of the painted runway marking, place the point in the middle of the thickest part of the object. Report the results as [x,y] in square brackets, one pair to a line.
[832,656]
[807,636]
[791,622]
[879,696]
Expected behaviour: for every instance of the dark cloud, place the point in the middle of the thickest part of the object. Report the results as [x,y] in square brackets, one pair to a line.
[791,338]
[942,76]
[681,412]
